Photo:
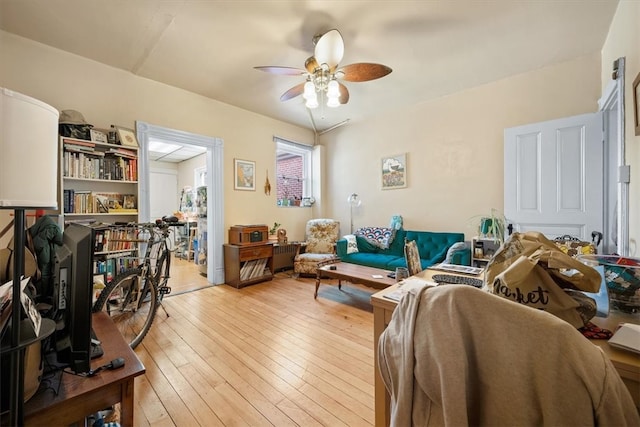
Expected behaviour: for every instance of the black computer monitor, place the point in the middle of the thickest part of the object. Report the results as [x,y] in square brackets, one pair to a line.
[73,282]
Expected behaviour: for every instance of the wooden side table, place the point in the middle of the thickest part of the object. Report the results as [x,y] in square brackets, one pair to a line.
[79,396]
[246,265]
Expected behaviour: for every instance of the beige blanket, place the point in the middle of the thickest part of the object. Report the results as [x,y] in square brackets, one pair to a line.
[456,355]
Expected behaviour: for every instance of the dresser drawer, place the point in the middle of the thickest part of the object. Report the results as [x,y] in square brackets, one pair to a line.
[255,252]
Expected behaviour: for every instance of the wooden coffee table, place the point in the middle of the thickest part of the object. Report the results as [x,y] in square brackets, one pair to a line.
[353,273]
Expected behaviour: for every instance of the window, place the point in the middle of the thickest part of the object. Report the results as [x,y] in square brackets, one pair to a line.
[293,173]
[200,177]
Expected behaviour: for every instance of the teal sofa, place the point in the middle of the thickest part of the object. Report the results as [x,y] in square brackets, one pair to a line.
[433,248]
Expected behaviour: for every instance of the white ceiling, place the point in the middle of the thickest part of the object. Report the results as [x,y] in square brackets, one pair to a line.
[172,152]
[210,47]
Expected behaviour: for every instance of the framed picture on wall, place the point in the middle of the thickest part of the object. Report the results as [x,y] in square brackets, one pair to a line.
[393,170]
[244,172]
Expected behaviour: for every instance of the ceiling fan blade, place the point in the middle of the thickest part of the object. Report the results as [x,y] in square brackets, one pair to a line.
[285,71]
[311,64]
[293,92]
[330,48]
[344,94]
[364,71]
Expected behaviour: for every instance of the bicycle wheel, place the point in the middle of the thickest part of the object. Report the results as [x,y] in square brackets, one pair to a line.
[131,302]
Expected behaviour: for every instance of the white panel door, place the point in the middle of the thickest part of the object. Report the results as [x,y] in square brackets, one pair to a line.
[553,176]
[163,191]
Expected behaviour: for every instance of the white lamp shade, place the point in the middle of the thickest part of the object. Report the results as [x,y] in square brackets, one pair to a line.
[312,102]
[28,152]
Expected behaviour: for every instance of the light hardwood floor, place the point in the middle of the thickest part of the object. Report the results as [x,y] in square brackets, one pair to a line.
[267,354]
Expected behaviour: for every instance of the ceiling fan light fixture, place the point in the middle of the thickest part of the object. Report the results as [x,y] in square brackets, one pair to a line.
[309,90]
[322,73]
[333,89]
[312,102]
[333,102]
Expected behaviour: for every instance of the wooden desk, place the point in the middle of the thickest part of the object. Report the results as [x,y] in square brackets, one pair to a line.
[626,363]
[82,396]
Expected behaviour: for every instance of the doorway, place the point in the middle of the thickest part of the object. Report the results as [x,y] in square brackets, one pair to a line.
[612,173]
[214,183]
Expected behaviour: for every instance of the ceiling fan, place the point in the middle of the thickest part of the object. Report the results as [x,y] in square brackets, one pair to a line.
[322,73]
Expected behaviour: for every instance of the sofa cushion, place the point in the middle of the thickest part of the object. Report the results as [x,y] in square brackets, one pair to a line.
[352,244]
[378,236]
[366,246]
[456,247]
[372,260]
[433,246]
[397,245]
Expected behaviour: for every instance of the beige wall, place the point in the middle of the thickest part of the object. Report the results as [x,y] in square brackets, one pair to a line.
[454,144]
[624,41]
[106,95]
[454,147]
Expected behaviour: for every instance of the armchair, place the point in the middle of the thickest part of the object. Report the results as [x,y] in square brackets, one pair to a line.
[321,236]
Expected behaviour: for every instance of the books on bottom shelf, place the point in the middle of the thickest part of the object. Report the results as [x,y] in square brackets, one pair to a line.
[254,269]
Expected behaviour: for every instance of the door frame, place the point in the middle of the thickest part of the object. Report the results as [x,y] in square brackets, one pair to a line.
[214,181]
[612,105]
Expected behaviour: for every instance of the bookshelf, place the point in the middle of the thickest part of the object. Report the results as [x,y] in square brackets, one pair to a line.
[482,251]
[99,184]
[98,180]
[115,251]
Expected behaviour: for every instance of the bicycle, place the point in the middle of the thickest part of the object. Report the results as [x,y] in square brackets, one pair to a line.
[132,298]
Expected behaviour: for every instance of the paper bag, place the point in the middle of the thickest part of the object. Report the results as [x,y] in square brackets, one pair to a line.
[6,265]
[530,269]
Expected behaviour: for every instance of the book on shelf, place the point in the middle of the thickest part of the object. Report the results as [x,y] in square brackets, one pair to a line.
[122,152]
[83,162]
[90,202]
[66,141]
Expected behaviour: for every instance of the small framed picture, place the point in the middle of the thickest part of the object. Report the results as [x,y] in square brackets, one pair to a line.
[98,136]
[244,172]
[127,137]
[129,201]
[394,171]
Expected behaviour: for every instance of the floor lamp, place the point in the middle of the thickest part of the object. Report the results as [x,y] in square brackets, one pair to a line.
[28,180]
[354,202]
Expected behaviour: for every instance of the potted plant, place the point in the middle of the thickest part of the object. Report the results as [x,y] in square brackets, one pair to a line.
[492,226]
[273,230]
